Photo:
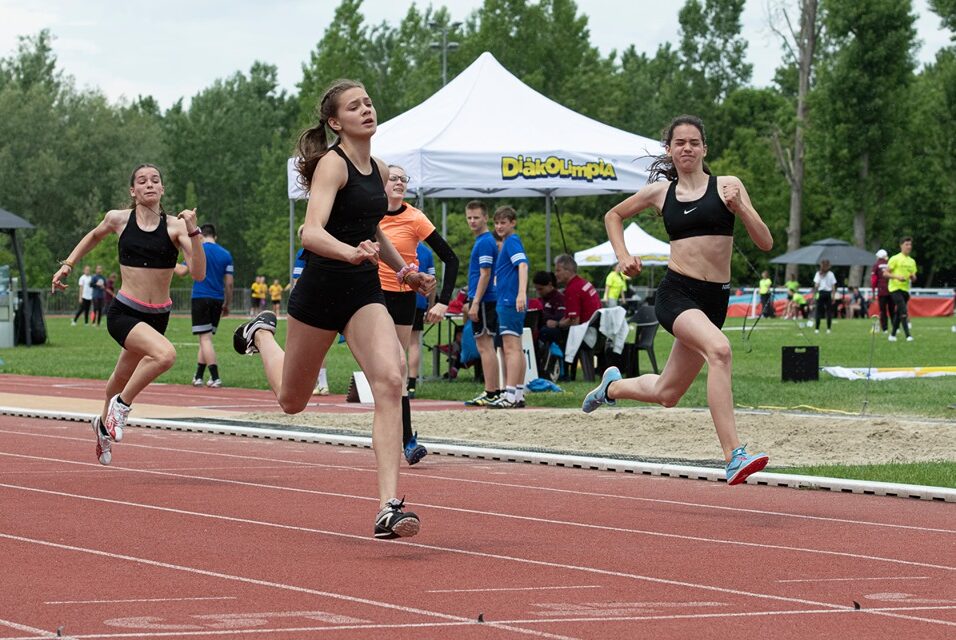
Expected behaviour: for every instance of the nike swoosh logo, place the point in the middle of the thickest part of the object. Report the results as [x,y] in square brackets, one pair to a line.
[686,211]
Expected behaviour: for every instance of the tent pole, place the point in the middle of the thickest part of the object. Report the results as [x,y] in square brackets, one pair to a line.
[547,230]
[291,237]
[27,333]
[444,219]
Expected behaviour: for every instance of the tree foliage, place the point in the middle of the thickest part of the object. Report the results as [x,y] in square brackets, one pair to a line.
[879,149]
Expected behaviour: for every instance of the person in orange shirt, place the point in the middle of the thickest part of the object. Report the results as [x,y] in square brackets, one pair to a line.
[405,226]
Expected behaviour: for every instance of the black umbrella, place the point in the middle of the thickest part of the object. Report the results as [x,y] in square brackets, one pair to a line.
[838,252]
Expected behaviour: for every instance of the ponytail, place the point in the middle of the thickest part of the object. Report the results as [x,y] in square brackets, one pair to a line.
[314,143]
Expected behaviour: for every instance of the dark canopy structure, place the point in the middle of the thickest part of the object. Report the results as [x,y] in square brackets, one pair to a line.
[839,252]
[9,223]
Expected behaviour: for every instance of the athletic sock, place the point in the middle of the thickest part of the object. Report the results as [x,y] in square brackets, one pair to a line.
[122,402]
[412,383]
[510,394]
[519,393]
[406,421]
[200,370]
[214,371]
[323,377]
[497,393]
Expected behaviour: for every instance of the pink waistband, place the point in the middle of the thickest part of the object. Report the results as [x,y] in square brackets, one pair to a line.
[151,305]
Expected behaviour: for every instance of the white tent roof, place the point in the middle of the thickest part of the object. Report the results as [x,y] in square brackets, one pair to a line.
[639,243]
[487,133]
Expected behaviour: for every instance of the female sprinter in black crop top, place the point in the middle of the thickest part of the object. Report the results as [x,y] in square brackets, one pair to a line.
[149,244]
[339,291]
[699,211]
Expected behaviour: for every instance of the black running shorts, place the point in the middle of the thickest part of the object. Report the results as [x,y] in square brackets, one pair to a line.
[487,319]
[206,313]
[401,306]
[121,319]
[678,293]
[328,299]
[418,324]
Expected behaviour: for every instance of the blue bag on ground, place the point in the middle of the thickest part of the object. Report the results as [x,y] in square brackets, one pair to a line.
[540,384]
[469,350]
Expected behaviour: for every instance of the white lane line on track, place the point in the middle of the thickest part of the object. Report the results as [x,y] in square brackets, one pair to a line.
[859,579]
[589,494]
[467,552]
[429,625]
[580,586]
[531,519]
[140,600]
[276,585]
[43,633]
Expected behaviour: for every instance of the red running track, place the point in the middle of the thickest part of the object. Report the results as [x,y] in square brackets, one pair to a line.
[197,536]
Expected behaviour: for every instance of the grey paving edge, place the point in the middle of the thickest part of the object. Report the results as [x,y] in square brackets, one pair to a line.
[662,469]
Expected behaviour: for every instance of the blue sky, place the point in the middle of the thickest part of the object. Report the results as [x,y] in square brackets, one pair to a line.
[176,48]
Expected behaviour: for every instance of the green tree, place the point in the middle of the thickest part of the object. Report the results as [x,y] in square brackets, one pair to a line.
[65,155]
[861,107]
[712,57]
[341,53]
[216,149]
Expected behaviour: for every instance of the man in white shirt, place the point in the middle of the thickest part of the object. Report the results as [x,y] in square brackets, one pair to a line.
[85,296]
[824,282]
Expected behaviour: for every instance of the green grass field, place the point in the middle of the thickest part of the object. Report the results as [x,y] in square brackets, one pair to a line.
[89,352]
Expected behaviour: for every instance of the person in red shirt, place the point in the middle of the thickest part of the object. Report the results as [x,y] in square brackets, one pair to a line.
[878,281]
[581,299]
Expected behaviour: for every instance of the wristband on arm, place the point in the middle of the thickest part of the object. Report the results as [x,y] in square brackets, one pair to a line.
[405,271]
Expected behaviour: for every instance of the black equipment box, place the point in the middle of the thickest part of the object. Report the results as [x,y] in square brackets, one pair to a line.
[800,364]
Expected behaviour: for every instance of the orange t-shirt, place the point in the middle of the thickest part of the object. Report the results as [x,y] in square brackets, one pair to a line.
[405,229]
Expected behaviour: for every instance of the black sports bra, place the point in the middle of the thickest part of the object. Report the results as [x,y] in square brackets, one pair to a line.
[706,216]
[147,249]
[356,212]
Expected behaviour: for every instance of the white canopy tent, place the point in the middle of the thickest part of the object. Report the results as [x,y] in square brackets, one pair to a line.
[639,243]
[488,134]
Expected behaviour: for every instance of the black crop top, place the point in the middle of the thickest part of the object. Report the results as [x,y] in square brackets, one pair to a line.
[147,249]
[706,216]
[356,212]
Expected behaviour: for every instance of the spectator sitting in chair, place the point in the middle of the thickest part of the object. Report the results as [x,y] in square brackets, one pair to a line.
[552,311]
[856,304]
[581,299]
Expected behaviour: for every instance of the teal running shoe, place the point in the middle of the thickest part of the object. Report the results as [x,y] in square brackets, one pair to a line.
[742,465]
[598,396]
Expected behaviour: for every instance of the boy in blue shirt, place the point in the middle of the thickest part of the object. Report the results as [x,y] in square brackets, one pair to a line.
[426,264]
[481,306]
[511,287]
[210,301]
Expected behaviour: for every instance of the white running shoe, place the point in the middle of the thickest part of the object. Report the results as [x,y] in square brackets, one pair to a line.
[197,382]
[214,383]
[116,418]
[320,390]
[103,443]
[891,338]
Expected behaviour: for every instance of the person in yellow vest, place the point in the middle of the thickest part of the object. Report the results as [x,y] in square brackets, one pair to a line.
[765,288]
[257,295]
[615,287]
[799,305]
[275,294]
[901,274]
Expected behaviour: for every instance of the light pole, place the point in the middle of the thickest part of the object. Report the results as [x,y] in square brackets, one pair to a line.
[445,47]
